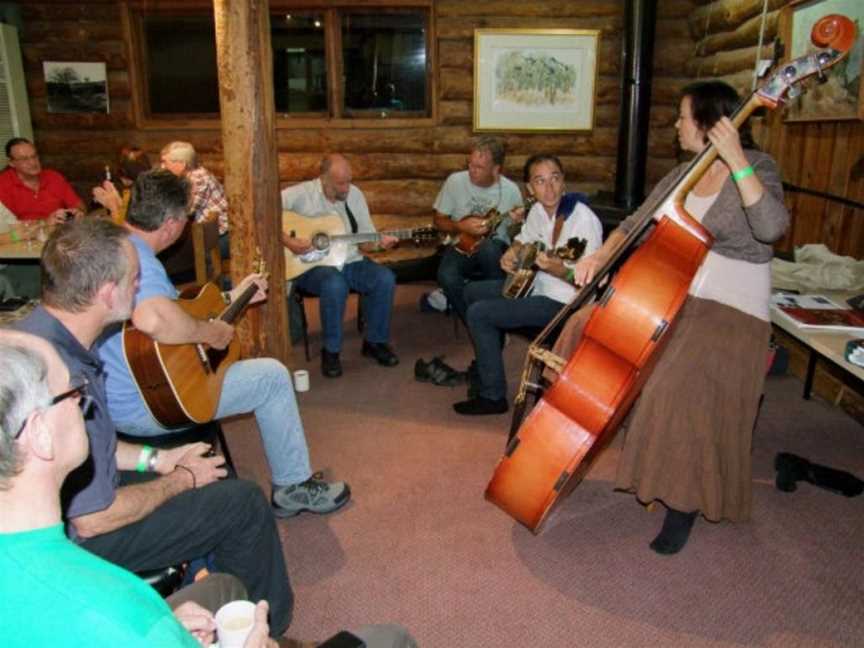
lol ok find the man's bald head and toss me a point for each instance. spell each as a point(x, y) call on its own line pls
point(336, 177)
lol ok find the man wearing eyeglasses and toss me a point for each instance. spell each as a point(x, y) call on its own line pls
point(63, 594)
point(183, 511)
point(31, 192)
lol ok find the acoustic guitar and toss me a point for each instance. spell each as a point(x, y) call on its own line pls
point(181, 383)
point(592, 390)
point(330, 241)
point(519, 282)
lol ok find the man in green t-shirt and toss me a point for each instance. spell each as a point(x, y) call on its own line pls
point(51, 591)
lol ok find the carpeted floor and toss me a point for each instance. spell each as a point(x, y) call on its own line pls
point(419, 545)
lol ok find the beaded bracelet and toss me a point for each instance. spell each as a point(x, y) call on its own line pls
point(740, 174)
point(144, 459)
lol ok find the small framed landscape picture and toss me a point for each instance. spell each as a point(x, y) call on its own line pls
point(534, 79)
point(76, 87)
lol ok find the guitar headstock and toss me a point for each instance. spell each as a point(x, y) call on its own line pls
point(425, 236)
point(573, 250)
point(835, 34)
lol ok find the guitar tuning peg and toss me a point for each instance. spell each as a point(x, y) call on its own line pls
point(793, 92)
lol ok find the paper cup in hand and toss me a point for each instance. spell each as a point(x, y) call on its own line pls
point(234, 622)
point(301, 380)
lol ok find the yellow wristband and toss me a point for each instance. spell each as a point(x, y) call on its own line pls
point(740, 174)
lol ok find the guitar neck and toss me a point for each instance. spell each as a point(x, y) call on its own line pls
point(369, 237)
point(236, 307)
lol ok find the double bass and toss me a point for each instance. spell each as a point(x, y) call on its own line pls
point(593, 390)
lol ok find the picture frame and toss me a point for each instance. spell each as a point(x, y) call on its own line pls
point(76, 87)
point(528, 80)
point(841, 97)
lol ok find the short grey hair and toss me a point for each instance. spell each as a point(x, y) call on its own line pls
point(181, 152)
point(23, 390)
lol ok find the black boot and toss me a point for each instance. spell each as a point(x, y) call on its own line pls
point(675, 532)
point(791, 468)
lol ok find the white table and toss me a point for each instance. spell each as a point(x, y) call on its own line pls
point(829, 345)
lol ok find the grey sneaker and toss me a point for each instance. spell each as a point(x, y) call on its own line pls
point(314, 494)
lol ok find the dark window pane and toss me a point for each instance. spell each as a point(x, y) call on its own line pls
point(299, 70)
point(181, 61)
point(384, 56)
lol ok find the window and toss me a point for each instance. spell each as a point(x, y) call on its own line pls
point(384, 56)
point(380, 67)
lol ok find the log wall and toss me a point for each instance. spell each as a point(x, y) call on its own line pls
point(400, 168)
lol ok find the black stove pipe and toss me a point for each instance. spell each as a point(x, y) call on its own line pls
point(638, 59)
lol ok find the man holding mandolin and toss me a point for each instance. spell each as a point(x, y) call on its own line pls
point(555, 219)
point(475, 207)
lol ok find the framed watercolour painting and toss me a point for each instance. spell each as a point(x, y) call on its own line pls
point(841, 96)
point(534, 79)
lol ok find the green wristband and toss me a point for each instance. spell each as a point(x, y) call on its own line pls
point(144, 459)
point(740, 174)
point(570, 277)
point(14, 236)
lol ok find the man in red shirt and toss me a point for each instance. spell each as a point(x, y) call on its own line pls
point(31, 192)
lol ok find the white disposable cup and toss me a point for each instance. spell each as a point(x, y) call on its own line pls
point(301, 380)
point(234, 622)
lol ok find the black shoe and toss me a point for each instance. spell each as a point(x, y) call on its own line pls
point(481, 407)
point(381, 352)
point(790, 469)
point(675, 532)
point(331, 366)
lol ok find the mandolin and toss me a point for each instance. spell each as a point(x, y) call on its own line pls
point(467, 244)
point(592, 390)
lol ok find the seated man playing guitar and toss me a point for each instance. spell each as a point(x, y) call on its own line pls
point(332, 192)
point(156, 218)
point(461, 210)
point(554, 220)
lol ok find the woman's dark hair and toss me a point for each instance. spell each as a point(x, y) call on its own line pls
point(711, 100)
point(133, 162)
point(534, 160)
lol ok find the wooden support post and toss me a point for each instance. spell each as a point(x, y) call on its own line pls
point(244, 58)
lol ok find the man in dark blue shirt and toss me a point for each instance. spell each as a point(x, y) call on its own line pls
point(90, 276)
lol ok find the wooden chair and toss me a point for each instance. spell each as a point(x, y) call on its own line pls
point(209, 265)
point(299, 296)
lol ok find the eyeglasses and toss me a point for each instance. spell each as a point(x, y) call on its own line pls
point(25, 158)
point(80, 391)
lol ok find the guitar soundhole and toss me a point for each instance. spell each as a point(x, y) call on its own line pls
point(320, 241)
point(215, 357)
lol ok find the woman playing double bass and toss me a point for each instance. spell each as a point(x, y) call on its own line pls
point(688, 439)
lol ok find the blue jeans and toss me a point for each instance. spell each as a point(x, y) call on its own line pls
point(262, 386)
point(489, 317)
point(456, 270)
point(375, 282)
